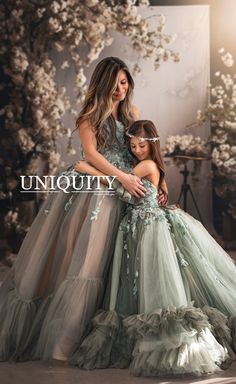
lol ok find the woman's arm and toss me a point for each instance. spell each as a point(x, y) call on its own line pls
point(143, 169)
point(146, 168)
point(89, 143)
point(84, 167)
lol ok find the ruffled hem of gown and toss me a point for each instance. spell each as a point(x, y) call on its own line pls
point(30, 329)
point(163, 343)
point(18, 322)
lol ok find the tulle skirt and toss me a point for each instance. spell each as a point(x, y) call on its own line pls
point(57, 282)
point(170, 302)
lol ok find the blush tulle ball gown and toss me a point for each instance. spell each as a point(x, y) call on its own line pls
point(57, 282)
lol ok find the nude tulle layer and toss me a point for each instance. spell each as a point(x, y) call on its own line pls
point(57, 282)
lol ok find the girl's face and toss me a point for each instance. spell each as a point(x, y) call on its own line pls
point(140, 149)
point(122, 87)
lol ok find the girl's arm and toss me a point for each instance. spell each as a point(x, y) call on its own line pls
point(149, 170)
point(89, 143)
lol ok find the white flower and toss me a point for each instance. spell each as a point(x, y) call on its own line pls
point(224, 147)
point(230, 163)
point(9, 115)
point(55, 7)
point(25, 140)
point(224, 156)
point(233, 150)
point(19, 60)
point(71, 151)
point(65, 64)
point(40, 12)
point(144, 3)
point(227, 59)
point(199, 114)
point(215, 154)
point(162, 18)
point(78, 38)
point(218, 162)
point(214, 92)
point(230, 124)
point(185, 145)
point(92, 3)
point(80, 78)
point(39, 114)
point(221, 50)
point(54, 25)
point(160, 51)
point(17, 13)
point(59, 46)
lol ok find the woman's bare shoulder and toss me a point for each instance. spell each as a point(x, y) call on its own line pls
point(84, 125)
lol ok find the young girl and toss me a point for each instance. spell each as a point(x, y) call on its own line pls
point(171, 289)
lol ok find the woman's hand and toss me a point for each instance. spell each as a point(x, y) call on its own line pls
point(133, 185)
point(82, 166)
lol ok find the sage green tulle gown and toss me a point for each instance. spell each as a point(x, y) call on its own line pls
point(57, 282)
point(170, 303)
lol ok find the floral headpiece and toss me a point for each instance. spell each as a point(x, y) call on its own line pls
point(154, 139)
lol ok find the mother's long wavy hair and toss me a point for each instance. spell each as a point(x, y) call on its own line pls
point(97, 107)
point(146, 128)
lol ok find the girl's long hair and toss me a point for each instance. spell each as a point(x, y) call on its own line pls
point(98, 104)
point(146, 128)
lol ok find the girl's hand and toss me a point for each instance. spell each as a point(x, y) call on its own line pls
point(82, 166)
point(163, 193)
point(133, 185)
point(162, 197)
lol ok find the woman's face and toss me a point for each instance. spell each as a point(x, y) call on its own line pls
point(122, 87)
point(140, 149)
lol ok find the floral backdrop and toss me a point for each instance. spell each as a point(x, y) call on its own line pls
point(32, 104)
point(221, 143)
point(221, 111)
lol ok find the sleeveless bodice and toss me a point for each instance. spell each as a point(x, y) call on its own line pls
point(118, 153)
point(150, 199)
point(146, 210)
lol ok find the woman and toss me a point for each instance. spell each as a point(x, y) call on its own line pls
point(172, 286)
point(57, 283)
